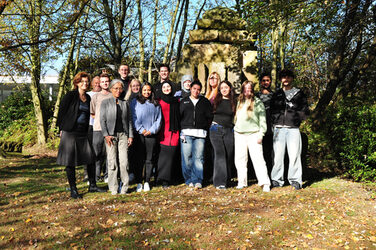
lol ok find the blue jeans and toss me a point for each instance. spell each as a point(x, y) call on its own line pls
point(291, 138)
point(192, 159)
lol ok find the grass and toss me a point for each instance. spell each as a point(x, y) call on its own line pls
point(36, 211)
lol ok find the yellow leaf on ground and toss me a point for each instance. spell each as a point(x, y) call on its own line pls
point(197, 235)
point(372, 238)
point(11, 229)
point(109, 221)
point(308, 236)
point(27, 220)
point(108, 239)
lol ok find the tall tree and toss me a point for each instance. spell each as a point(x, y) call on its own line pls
point(141, 42)
point(154, 42)
point(169, 37)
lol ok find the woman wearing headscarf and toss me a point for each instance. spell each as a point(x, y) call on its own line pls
point(116, 124)
point(75, 148)
point(169, 134)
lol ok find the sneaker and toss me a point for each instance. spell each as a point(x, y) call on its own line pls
point(275, 184)
point(296, 185)
point(191, 185)
point(114, 192)
point(198, 185)
point(139, 187)
point(146, 187)
point(106, 180)
point(221, 187)
point(240, 187)
point(266, 188)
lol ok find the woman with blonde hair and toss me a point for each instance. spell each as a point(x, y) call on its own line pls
point(133, 90)
point(250, 127)
point(212, 86)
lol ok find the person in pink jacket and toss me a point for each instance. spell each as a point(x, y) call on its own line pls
point(169, 134)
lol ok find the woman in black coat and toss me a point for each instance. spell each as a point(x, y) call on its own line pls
point(73, 121)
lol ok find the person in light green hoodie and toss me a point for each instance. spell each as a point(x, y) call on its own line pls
point(250, 127)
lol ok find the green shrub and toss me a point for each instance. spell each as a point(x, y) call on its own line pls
point(347, 139)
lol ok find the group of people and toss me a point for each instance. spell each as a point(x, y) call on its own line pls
point(125, 128)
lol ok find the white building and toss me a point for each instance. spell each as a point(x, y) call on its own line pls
point(9, 84)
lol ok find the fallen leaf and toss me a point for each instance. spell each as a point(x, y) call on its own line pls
point(108, 239)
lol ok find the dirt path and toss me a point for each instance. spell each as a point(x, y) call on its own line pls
point(37, 212)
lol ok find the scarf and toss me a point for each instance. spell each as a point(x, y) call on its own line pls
point(174, 111)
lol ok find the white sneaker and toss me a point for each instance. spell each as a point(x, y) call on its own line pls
point(105, 180)
point(139, 187)
point(146, 187)
point(191, 185)
point(240, 187)
point(114, 192)
point(266, 188)
point(198, 185)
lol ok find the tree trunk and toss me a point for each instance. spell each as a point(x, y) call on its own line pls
point(182, 33)
point(174, 35)
point(169, 38)
point(275, 40)
point(339, 66)
point(34, 22)
point(115, 26)
point(65, 76)
point(154, 43)
point(141, 39)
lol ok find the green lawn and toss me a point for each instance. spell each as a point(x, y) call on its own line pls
point(36, 211)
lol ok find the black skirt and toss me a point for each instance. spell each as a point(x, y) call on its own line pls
point(75, 149)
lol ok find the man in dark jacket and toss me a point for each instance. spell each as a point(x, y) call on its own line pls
point(288, 108)
point(164, 74)
point(196, 115)
point(265, 96)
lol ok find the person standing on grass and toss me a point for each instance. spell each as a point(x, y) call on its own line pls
point(250, 127)
point(98, 139)
point(196, 115)
point(132, 93)
point(116, 124)
point(265, 96)
point(169, 134)
point(147, 118)
point(75, 148)
point(222, 134)
point(95, 88)
point(288, 108)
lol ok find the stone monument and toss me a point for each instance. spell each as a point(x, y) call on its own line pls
point(222, 44)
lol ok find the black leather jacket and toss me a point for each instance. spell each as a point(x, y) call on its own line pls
point(289, 111)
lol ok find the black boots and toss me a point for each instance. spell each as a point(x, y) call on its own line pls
point(71, 175)
point(94, 188)
point(93, 184)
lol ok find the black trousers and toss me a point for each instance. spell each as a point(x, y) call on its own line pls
point(100, 154)
point(147, 153)
point(166, 162)
point(267, 149)
point(222, 140)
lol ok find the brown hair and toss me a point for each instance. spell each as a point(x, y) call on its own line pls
point(219, 97)
point(242, 99)
point(78, 78)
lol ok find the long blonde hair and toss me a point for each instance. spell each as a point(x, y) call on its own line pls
point(242, 99)
point(210, 92)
